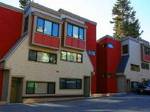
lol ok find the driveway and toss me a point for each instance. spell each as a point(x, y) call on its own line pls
point(118, 103)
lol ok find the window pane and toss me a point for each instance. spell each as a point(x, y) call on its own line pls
point(63, 55)
point(71, 84)
point(42, 57)
point(32, 55)
point(135, 68)
point(51, 88)
point(48, 28)
point(53, 58)
point(79, 84)
point(125, 49)
point(79, 58)
point(69, 30)
point(30, 87)
point(75, 31)
point(40, 25)
point(81, 33)
point(110, 45)
point(40, 88)
point(68, 56)
point(55, 30)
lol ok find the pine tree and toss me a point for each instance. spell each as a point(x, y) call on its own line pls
point(23, 3)
point(125, 23)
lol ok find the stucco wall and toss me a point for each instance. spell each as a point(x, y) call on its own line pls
point(19, 65)
point(135, 58)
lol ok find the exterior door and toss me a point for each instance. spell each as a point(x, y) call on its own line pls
point(121, 83)
point(16, 90)
point(86, 86)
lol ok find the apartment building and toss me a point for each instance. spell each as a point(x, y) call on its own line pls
point(135, 63)
point(45, 53)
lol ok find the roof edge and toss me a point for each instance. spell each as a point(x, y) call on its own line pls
point(11, 7)
point(62, 11)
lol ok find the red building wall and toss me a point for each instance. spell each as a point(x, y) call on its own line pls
point(108, 60)
point(10, 29)
point(10, 32)
point(91, 46)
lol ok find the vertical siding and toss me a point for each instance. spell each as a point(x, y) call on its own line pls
point(91, 45)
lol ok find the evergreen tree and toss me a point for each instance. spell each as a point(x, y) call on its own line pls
point(23, 3)
point(125, 23)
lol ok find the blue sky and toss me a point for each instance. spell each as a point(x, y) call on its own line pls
point(98, 11)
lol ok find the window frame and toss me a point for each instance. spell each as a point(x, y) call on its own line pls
point(49, 55)
point(71, 53)
point(58, 32)
point(125, 51)
point(72, 31)
point(47, 84)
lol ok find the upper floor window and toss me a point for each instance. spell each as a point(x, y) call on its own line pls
point(42, 57)
point(125, 49)
point(146, 50)
point(75, 31)
point(47, 27)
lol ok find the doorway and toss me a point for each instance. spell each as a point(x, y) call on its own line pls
point(86, 86)
point(16, 90)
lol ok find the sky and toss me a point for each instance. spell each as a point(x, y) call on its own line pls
point(99, 11)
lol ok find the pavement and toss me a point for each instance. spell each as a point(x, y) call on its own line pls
point(116, 103)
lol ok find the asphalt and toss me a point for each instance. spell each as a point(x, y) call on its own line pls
point(117, 103)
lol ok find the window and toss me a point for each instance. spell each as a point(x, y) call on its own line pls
point(47, 27)
point(81, 33)
point(26, 24)
point(110, 45)
point(146, 50)
point(30, 87)
point(55, 30)
point(33, 87)
point(63, 55)
point(79, 58)
point(72, 57)
point(40, 25)
point(125, 49)
point(51, 88)
point(40, 88)
point(70, 83)
point(53, 58)
point(32, 55)
point(91, 53)
point(69, 30)
point(75, 31)
point(145, 66)
point(42, 57)
point(135, 68)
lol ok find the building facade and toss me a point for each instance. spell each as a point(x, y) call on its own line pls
point(48, 57)
point(108, 58)
point(135, 62)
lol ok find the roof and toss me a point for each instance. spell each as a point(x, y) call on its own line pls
point(62, 11)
